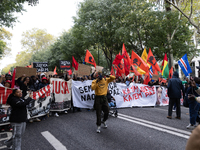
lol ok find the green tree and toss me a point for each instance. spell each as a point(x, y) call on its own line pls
point(5, 36)
point(9, 7)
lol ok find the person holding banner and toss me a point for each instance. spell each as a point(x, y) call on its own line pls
point(100, 85)
point(18, 118)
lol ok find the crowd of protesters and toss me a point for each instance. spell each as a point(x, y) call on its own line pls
point(34, 83)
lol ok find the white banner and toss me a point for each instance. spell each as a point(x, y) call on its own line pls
point(125, 96)
point(82, 94)
point(61, 94)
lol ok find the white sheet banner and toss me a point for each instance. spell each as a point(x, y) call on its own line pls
point(82, 94)
point(61, 94)
point(125, 96)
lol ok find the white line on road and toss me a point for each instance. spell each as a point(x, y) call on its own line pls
point(53, 141)
point(160, 127)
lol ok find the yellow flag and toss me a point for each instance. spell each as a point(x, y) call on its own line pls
point(144, 57)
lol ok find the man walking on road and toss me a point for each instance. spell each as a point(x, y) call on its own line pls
point(100, 85)
point(175, 87)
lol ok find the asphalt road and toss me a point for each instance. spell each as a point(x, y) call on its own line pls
point(134, 129)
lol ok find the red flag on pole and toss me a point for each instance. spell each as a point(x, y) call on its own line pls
point(89, 58)
point(112, 72)
point(117, 59)
point(134, 70)
point(13, 78)
point(152, 61)
point(54, 72)
point(171, 73)
point(69, 72)
point(137, 60)
point(74, 63)
point(146, 78)
point(9, 72)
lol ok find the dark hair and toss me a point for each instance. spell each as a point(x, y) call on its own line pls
point(11, 95)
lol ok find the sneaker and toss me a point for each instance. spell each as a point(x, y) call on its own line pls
point(98, 129)
point(65, 112)
point(56, 115)
point(31, 120)
point(37, 119)
point(191, 126)
point(105, 125)
point(174, 110)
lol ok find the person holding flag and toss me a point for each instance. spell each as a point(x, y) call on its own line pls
point(100, 85)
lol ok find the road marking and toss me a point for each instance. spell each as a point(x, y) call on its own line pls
point(156, 126)
point(160, 109)
point(53, 141)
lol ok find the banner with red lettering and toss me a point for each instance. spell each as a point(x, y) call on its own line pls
point(135, 95)
point(61, 94)
point(41, 103)
point(125, 96)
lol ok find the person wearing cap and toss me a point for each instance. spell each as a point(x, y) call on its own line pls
point(7, 83)
point(44, 83)
point(100, 86)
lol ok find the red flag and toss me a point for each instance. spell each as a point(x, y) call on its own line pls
point(54, 72)
point(9, 72)
point(117, 59)
point(165, 58)
point(162, 80)
point(74, 63)
point(134, 70)
point(89, 58)
point(112, 72)
point(146, 78)
point(127, 60)
point(69, 71)
point(120, 67)
point(171, 72)
point(137, 60)
point(13, 78)
point(126, 56)
point(152, 61)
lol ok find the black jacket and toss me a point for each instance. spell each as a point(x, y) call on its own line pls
point(18, 109)
point(175, 87)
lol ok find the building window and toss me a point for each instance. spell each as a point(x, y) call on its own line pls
point(192, 64)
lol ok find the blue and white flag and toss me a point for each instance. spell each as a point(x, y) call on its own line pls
point(185, 66)
point(150, 72)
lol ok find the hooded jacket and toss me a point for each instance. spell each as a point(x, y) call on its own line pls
point(175, 87)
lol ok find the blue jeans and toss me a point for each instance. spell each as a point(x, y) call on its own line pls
point(15, 141)
point(193, 109)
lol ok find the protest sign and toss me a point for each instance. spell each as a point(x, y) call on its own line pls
point(61, 94)
point(64, 64)
point(98, 68)
point(41, 66)
point(82, 70)
point(24, 70)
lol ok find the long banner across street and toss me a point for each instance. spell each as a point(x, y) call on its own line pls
point(125, 96)
point(57, 97)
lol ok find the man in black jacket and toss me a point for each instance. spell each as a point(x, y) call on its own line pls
point(175, 87)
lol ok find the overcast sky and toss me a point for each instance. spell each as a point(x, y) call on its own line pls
point(53, 15)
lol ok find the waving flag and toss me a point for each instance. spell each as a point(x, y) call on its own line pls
point(171, 72)
point(151, 72)
point(152, 61)
point(89, 58)
point(165, 71)
point(185, 66)
point(74, 63)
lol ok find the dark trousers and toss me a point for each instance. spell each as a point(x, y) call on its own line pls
point(193, 109)
point(101, 104)
point(173, 101)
